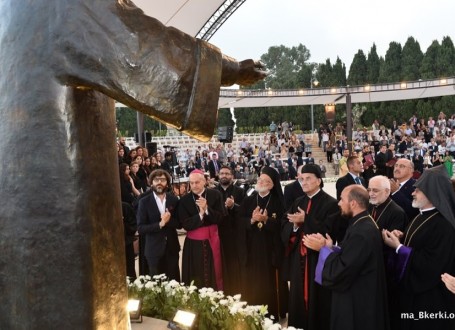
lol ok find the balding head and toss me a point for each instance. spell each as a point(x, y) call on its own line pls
point(403, 170)
point(354, 200)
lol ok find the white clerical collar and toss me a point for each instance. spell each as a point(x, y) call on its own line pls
point(314, 194)
point(426, 210)
point(263, 196)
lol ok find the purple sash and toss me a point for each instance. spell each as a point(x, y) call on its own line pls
point(210, 233)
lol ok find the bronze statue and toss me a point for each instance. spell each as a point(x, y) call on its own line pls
point(62, 64)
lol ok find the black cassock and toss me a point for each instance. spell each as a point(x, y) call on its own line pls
point(389, 215)
point(432, 242)
point(320, 219)
point(198, 256)
point(229, 236)
point(356, 276)
point(262, 252)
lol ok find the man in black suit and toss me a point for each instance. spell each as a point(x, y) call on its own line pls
point(402, 186)
point(293, 190)
point(310, 159)
point(156, 219)
point(229, 230)
point(355, 168)
point(381, 160)
point(214, 166)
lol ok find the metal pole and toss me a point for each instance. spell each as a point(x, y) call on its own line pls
point(140, 128)
point(349, 122)
point(312, 114)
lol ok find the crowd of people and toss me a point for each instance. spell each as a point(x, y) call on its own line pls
point(379, 256)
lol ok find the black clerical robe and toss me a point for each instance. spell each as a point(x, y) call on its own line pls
point(201, 256)
point(229, 236)
point(355, 275)
point(428, 252)
point(300, 262)
point(389, 215)
point(262, 251)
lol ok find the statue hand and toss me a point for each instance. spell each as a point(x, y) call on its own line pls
point(251, 72)
point(246, 72)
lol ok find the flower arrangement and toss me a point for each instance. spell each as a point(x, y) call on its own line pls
point(161, 298)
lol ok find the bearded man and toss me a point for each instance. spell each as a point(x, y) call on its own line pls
point(157, 222)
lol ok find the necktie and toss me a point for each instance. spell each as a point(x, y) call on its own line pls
point(216, 166)
point(357, 180)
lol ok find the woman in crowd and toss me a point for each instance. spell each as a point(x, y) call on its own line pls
point(190, 166)
point(131, 155)
point(147, 166)
point(137, 182)
point(141, 173)
point(437, 159)
point(448, 163)
point(284, 151)
point(127, 190)
point(121, 155)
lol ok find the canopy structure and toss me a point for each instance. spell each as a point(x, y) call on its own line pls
point(243, 98)
point(199, 18)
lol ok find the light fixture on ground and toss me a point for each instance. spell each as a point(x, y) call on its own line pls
point(134, 309)
point(330, 112)
point(313, 82)
point(182, 320)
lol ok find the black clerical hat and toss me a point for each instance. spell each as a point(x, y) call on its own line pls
point(314, 169)
point(275, 176)
point(436, 185)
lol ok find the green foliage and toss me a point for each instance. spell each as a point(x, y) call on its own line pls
point(358, 73)
point(390, 70)
point(162, 298)
point(411, 59)
point(373, 66)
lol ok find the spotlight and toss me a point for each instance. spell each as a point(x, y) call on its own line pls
point(134, 308)
point(182, 320)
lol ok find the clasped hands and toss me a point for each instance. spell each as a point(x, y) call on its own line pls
point(201, 202)
point(259, 215)
point(297, 218)
point(317, 241)
point(229, 202)
point(392, 238)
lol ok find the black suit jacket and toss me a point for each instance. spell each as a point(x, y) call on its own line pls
point(345, 181)
point(148, 218)
point(403, 198)
point(292, 191)
point(212, 171)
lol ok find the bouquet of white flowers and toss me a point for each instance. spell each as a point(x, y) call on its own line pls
point(161, 298)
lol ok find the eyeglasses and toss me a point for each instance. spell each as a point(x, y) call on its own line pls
point(158, 180)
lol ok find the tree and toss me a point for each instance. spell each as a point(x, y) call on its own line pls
point(428, 67)
point(411, 59)
point(358, 72)
point(445, 59)
point(373, 66)
point(391, 69)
